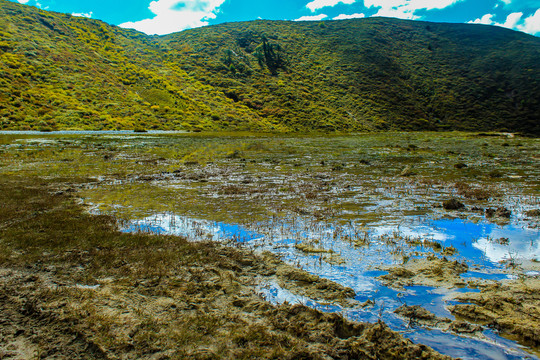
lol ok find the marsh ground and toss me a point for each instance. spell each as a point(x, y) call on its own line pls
point(349, 210)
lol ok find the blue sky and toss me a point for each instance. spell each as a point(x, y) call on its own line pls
point(167, 16)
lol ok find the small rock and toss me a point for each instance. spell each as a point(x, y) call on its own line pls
point(500, 212)
point(503, 213)
point(453, 204)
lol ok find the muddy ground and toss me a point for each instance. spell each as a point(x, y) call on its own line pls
point(510, 306)
point(429, 271)
point(72, 287)
point(77, 287)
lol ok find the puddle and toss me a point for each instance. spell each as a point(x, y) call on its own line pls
point(171, 224)
point(281, 185)
point(352, 255)
point(488, 244)
point(486, 276)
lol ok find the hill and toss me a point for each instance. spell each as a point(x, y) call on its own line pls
point(63, 72)
point(60, 72)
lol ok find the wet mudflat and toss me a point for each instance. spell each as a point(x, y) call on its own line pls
point(434, 234)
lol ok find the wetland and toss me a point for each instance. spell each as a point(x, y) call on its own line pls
point(242, 245)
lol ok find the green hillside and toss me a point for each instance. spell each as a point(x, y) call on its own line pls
point(59, 72)
point(63, 72)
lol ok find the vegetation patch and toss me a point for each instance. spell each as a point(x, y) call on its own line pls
point(511, 307)
point(135, 294)
point(72, 285)
point(352, 75)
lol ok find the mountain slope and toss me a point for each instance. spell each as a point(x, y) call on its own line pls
point(371, 73)
point(59, 71)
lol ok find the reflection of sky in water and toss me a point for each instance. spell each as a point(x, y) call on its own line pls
point(492, 347)
point(191, 228)
point(355, 266)
point(477, 242)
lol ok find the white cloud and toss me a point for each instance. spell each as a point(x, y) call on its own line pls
point(399, 13)
point(486, 20)
point(86, 15)
point(319, 4)
point(176, 15)
point(512, 20)
point(520, 4)
point(351, 16)
point(406, 9)
point(23, 1)
point(312, 18)
point(530, 25)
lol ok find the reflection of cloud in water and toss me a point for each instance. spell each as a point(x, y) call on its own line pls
point(358, 268)
point(418, 231)
point(278, 295)
point(471, 240)
point(193, 229)
point(522, 244)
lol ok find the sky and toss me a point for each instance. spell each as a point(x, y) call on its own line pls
point(167, 16)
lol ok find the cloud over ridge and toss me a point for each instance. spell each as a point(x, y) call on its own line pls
point(176, 15)
point(406, 9)
point(319, 4)
point(312, 18)
point(350, 16)
point(530, 24)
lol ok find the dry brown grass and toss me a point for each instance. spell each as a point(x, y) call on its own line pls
point(82, 289)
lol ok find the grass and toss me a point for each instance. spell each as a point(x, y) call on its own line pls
point(141, 174)
point(136, 295)
point(191, 298)
point(363, 76)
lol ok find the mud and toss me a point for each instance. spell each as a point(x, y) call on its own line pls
point(453, 204)
point(30, 330)
point(418, 316)
point(72, 287)
point(533, 213)
point(513, 307)
point(214, 315)
point(429, 271)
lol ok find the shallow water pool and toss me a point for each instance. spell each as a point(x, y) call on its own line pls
point(353, 255)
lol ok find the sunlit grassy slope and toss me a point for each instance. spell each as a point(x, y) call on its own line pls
point(58, 72)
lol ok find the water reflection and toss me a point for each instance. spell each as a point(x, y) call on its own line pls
point(350, 255)
point(491, 243)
